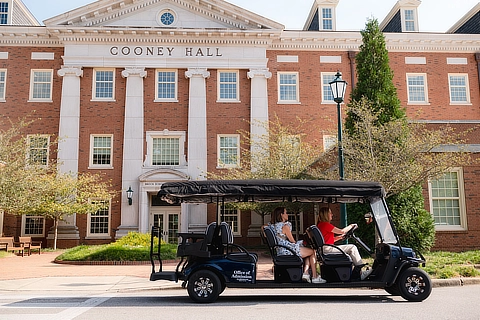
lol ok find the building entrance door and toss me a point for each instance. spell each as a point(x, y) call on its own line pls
point(167, 218)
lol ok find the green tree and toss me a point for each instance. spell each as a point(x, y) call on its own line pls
point(399, 154)
point(380, 140)
point(375, 78)
point(29, 188)
point(16, 174)
point(67, 194)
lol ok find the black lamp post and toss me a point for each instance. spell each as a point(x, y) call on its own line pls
point(129, 195)
point(338, 87)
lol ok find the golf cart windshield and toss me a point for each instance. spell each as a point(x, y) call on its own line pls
point(384, 225)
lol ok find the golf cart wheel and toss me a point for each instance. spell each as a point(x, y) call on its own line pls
point(393, 290)
point(204, 286)
point(414, 284)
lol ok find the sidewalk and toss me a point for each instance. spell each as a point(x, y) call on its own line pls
point(40, 273)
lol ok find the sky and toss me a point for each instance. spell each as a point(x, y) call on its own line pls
point(433, 15)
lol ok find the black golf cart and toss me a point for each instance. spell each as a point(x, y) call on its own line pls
point(210, 261)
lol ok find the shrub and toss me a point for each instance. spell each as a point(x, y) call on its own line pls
point(133, 247)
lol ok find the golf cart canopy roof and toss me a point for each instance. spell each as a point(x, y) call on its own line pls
point(326, 191)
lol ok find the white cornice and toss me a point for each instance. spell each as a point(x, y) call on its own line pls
point(270, 39)
point(152, 36)
point(396, 42)
point(27, 36)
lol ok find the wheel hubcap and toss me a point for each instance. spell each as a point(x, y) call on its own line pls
point(415, 284)
point(203, 287)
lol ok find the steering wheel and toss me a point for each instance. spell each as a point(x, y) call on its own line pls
point(350, 232)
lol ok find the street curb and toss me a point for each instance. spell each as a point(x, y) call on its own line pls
point(454, 282)
point(109, 263)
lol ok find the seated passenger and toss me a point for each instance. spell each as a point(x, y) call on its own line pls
point(331, 234)
point(283, 231)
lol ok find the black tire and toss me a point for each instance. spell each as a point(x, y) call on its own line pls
point(393, 290)
point(204, 286)
point(414, 284)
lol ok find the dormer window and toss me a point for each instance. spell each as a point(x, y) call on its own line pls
point(327, 19)
point(3, 12)
point(322, 16)
point(402, 18)
point(409, 20)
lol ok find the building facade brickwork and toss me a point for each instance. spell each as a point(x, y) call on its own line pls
point(165, 87)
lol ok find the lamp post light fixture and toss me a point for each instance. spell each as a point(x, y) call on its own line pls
point(129, 195)
point(338, 86)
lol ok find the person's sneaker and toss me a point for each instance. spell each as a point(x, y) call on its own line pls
point(318, 280)
point(306, 278)
point(365, 273)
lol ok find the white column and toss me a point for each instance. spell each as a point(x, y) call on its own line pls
point(197, 123)
point(133, 140)
point(258, 104)
point(196, 214)
point(69, 134)
point(258, 125)
point(69, 127)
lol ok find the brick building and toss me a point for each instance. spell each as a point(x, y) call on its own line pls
point(149, 91)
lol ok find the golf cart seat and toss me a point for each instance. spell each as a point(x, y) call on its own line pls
point(197, 244)
point(335, 266)
point(233, 251)
point(286, 268)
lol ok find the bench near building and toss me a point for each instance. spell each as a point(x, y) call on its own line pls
point(148, 92)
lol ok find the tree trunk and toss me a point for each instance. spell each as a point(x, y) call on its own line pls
point(55, 233)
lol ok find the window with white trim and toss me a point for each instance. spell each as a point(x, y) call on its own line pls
point(228, 87)
point(296, 220)
point(459, 89)
point(167, 83)
point(101, 151)
point(288, 87)
point(103, 84)
point(38, 149)
point(447, 201)
point(165, 148)
point(228, 150)
point(327, 19)
point(327, 94)
point(3, 83)
point(98, 224)
point(409, 20)
point(41, 82)
point(3, 12)
point(232, 217)
point(417, 88)
point(33, 226)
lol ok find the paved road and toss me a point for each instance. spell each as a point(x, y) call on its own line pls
point(444, 303)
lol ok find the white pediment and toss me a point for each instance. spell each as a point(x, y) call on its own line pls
point(170, 14)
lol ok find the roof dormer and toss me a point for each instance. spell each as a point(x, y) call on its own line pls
point(14, 12)
point(469, 23)
point(322, 16)
point(402, 18)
